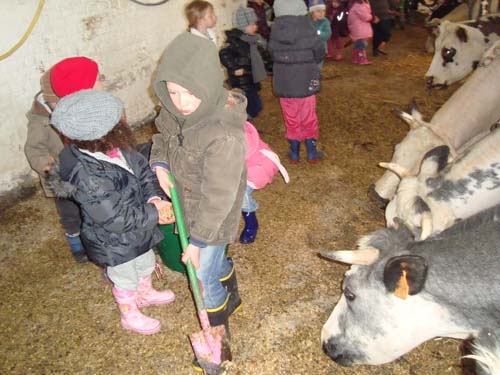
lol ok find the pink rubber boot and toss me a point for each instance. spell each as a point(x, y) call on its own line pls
point(355, 56)
point(362, 59)
point(131, 317)
point(147, 296)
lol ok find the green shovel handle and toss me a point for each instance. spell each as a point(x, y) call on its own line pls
point(179, 219)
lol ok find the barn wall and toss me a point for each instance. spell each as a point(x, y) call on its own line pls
point(126, 40)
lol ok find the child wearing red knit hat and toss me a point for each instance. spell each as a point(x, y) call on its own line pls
point(43, 143)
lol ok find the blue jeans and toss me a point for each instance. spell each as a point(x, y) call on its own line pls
point(249, 203)
point(213, 266)
point(360, 44)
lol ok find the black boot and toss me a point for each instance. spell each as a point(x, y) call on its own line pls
point(220, 316)
point(230, 282)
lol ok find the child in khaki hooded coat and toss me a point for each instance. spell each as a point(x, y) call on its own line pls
point(202, 143)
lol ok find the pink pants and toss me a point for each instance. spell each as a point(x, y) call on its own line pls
point(300, 118)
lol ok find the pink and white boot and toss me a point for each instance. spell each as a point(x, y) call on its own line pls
point(147, 295)
point(131, 318)
point(363, 59)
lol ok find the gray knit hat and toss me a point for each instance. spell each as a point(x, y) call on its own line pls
point(87, 115)
point(289, 8)
point(244, 17)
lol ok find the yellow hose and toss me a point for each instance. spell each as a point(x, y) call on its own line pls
point(27, 33)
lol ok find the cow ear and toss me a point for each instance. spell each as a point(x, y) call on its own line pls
point(434, 160)
point(461, 34)
point(434, 29)
point(405, 275)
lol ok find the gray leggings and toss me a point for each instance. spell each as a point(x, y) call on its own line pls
point(126, 276)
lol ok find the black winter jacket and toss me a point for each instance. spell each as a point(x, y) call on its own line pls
point(236, 55)
point(118, 224)
point(296, 50)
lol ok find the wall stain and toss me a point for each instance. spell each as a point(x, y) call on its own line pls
point(91, 25)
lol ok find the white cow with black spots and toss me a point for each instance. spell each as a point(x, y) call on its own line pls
point(440, 194)
point(458, 50)
point(465, 118)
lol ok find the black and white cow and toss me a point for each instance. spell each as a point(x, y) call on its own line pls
point(458, 50)
point(465, 118)
point(400, 293)
point(440, 194)
point(452, 11)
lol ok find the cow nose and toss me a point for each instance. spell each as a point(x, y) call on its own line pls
point(429, 81)
point(329, 348)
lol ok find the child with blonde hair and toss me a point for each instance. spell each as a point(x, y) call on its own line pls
point(202, 19)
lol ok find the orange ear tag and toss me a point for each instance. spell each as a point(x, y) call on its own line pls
point(403, 289)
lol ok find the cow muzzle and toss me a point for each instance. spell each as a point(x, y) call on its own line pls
point(429, 83)
point(331, 350)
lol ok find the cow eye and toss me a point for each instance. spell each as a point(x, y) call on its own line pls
point(448, 54)
point(349, 294)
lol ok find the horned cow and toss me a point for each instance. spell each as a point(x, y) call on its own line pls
point(400, 293)
point(459, 123)
point(442, 194)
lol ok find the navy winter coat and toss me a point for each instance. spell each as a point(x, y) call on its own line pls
point(118, 224)
point(296, 50)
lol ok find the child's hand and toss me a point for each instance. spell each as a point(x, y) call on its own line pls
point(165, 211)
point(375, 19)
point(239, 72)
point(163, 179)
point(193, 254)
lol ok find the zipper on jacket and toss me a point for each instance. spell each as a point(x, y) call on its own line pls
point(180, 136)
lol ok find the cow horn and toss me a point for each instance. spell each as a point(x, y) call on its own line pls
point(426, 225)
point(409, 119)
point(402, 172)
point(362, 257)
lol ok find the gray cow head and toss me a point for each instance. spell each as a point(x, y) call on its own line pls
point(383, 312)
point(458, 50)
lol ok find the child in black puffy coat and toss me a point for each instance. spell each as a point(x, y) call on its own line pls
point(119, 196)
point(242, 57)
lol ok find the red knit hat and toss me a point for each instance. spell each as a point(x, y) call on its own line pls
point(73, 74)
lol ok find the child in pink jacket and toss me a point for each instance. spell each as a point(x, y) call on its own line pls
point(360, 30)
point(262, 164)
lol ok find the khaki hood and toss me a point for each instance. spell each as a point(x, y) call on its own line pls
point(193, 63)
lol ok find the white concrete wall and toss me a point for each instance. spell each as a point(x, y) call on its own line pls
point(125, 39)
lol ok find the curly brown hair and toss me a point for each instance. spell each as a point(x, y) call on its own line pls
point(120, 136)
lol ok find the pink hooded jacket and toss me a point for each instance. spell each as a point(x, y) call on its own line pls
point(262, 162)
point(359, 21)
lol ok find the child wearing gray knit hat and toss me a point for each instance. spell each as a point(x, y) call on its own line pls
point(87, 115)
point(120, 199)
point(244, 17)
point(242, 56)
